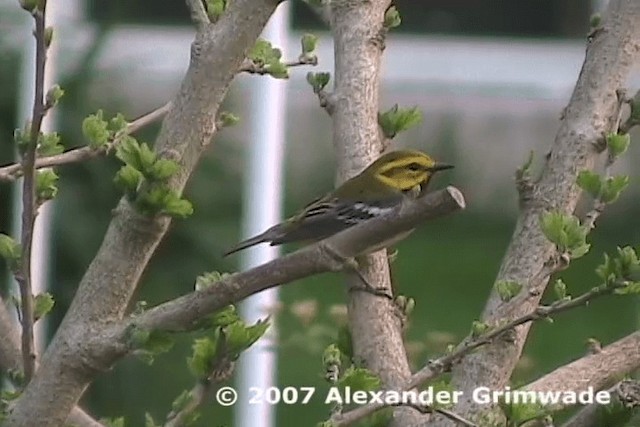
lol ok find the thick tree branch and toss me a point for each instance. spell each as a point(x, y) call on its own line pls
point(11, 361)
point(590, 114)
point(105, 290)
point(75, 155)
point(357, 28)
point(598, 370)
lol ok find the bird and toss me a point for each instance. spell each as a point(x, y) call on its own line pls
point(377, 190)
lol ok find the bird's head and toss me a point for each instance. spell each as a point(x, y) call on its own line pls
point(405, 169)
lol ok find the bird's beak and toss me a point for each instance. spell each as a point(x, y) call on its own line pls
point(439, 167)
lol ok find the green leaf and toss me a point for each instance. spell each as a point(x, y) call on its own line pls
point(176, 207)
point(94, 128)
point(240, 337)
point(147, 159)
point(359, 379)
point(49, 144)
point(396, 120)
point(613, 187)
point(507, 289)
point(566, 232)
point(318, 81)
point(127, 152)
point(560, 289)
point(225, 317)
point(10, 250)
point(54, 93)
point(590, 182)
point(277, 69)
point(618, 144)
point(261, 53)
point(128, 179)
point(42, 304)
point(208, 279)
point(162, 169)
point(118, 123)
point(331, 356)
point(159, 342)
point(228, 119)
point(46, 188)
point(392, 18)
point(203, 354)
point(309, 43)
point(478, 328)
point(215, 9)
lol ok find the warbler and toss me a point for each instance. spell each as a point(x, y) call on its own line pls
point(378, 189)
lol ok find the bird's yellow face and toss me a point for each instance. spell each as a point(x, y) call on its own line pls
point(405, 169)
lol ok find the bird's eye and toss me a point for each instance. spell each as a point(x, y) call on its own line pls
point(414, 167)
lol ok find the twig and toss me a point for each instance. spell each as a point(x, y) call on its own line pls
point(198, 13)
point(75, 155)
point(29, 203)
point(248, 66)
point(436, 367)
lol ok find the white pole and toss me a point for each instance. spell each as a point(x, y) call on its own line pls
point(262, 209)
point(58, 14)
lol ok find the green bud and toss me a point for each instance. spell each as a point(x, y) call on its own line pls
point(392, 18)
point(331, 356)
point(617, 143)
point(478, 328)
point(53, 95)
point(94, 128)
point(560, 289)
point(396, 120)
point(228, 119)
point(590, 182)
point(46, 185)
point(48, 36)
point(42, 304)
point(507, 289)
point(613, 187)
point(318, 81)
point(28, 5)
point(309, 43)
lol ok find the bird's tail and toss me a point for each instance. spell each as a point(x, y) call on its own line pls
point(260, 238)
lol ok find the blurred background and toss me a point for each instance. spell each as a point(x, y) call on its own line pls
point(492, 79)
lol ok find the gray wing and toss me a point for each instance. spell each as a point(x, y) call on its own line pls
point(322, 218)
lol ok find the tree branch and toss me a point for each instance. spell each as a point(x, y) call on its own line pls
point(590, 114)
point(29, 202)
point(11, 361)
point(376, 329)
point(198, 13)
point(597, 370)
point(104, 292)
point(76, 155)
point(184, 313)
